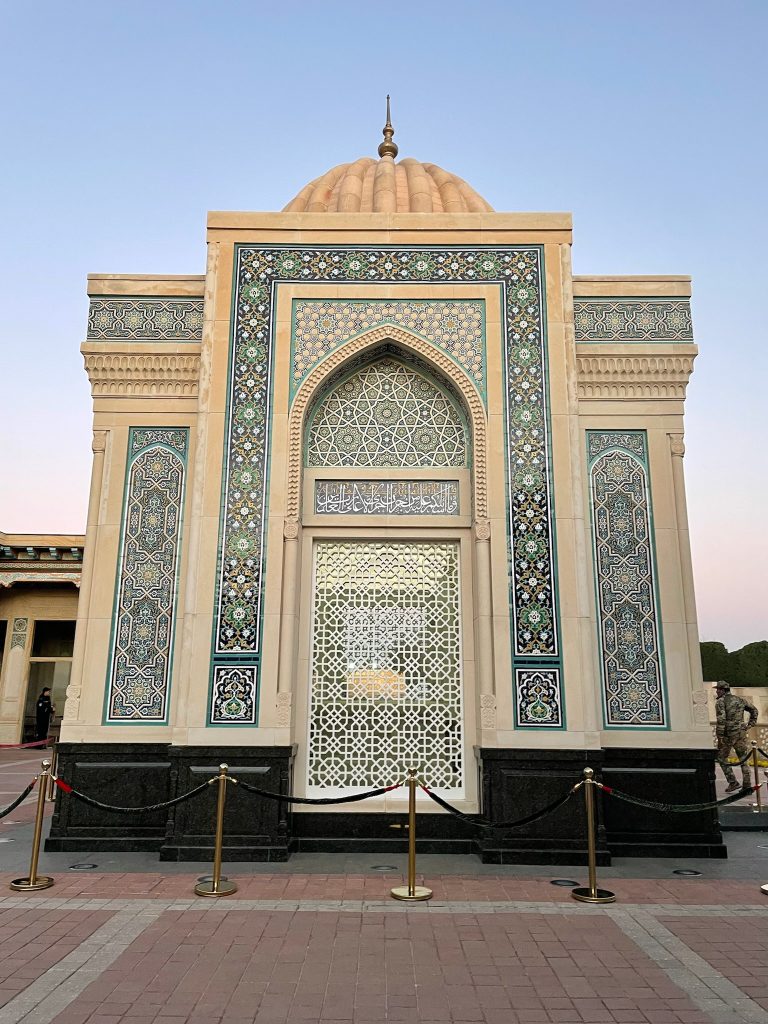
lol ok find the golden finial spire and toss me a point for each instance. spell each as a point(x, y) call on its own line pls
point(388, 147)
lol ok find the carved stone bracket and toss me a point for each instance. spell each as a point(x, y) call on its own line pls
point(487, 711)
point(291, 529)
point(700, 707)
point(676, 445)
point(482, 530)
point(284, 702)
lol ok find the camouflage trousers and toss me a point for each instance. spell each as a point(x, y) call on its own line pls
point(738, 743)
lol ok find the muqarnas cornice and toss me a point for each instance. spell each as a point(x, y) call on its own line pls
point(634, 375)
point(129, 373)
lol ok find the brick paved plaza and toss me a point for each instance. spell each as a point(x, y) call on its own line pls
point(319, 940)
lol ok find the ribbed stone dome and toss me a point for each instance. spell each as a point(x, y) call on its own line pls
point(383, 186)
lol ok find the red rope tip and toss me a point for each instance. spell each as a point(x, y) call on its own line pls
point(397, 785)
point(63, 785)
point(425, 788)
point(606, 789)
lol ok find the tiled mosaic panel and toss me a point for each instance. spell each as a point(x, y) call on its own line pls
point(620, 320)
point(387, 497)
point(630, 630)
point(234, 695)
point(145, 319)
point(386, 670)
point(386, 414)
point(138, 678)
point(538, 698)
point(519, 274)
point(455, 326)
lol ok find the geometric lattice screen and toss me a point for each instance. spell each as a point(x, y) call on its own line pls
point(627, 604)
point(386, 673)
point(387, 414)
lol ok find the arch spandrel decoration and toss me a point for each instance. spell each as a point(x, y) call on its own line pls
point(406, 347)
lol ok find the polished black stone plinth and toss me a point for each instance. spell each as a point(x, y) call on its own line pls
point(516, 783)
point(665, 776)
point(140, 774)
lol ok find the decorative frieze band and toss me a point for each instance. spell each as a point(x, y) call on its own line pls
point(131, 373)
point(648, 320)
point(633, 376)
point(145, 319)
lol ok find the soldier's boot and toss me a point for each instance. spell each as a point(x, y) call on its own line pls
point(747, 778)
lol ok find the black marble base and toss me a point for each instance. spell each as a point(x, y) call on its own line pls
point(667, 776)
point(514, 783)
point(139, 774)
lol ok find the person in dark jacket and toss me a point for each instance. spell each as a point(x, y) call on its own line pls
point(44, 711)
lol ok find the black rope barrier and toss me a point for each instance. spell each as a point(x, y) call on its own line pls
point(738, 764)
point(678, 808)
point(288, 799)
point(66, 788)
point(518, 823)
point(19, 799)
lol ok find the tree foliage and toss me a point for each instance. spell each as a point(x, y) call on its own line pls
point(745, 667)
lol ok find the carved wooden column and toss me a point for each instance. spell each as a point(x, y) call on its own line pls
point(677, 451)
point(484, 605)
point(72, 706)
point(288, 622)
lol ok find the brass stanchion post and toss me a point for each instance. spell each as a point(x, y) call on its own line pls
point(411, 891)
point(591, 894)
point(218, 886)
point(34, 881)
point(54, 768)
point(758, 805)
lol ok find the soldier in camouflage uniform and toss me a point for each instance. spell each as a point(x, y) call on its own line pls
point(731, 732)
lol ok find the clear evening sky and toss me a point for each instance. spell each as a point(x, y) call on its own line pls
point(121, 124)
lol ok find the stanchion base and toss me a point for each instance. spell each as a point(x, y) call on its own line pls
point(24, 884)
point(402, 892)
point(206, 888)
point(584, 895)
point(764, 889)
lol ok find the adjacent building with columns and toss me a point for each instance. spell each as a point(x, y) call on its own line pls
point(387, 487)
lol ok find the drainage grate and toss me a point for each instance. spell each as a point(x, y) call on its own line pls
point(686, 871)
point(82, 867)
point(564, 881)
point(4, 840)
point(384, 867)
point(209, 878)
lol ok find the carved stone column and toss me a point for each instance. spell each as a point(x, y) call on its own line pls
point(677, 451)
point(484, 605)
point(288, 622)
point(72, 706)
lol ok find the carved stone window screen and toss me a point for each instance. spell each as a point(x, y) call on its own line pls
point(385, 689)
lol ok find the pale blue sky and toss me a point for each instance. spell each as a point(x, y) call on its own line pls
point(122, 124)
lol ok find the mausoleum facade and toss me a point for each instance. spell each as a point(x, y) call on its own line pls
point(386, 487)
